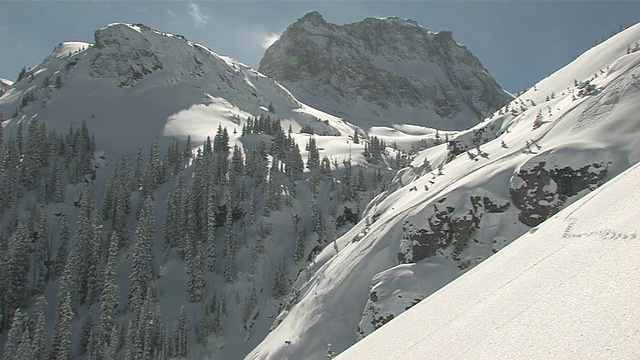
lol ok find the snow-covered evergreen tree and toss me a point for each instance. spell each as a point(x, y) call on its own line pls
point(229, 244)
point(143, 271)
point(61, 349)
point(313, 159)
point(108, 303)
point(281, 283)
point(85, 334)
point(15, 271)
point(43, 253)
point(212, 208)
point(300, 231)
point(38, 343)
point(63, 243)
point(19, 325)
point(88, 245)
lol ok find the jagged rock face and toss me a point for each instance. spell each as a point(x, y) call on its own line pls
point(447, 226)
point(129, 53)
point(383, 71)
point(542, 192)
point(124, 54)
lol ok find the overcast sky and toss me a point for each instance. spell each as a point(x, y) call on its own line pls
point(519, 42)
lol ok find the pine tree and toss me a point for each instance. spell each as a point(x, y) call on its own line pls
point(183, 335)
point(195, 272)
point(15, 271)
point(188, 151)
point(205, 326)
point(39, 345)
point(346, 180)
point(142, 272)
point(137, 173)
point(88, 245)
point(212, 208)
point(317, 220)
point(218, 320)
point(300, 231)
point(63, 243)
point(64, 313)
point(280, 283)
point(108, 302)
point(25, 351)
point(230, 244)
point(313, 158)
point(32, 161)
point(114, 345)
point(85, 334)
point(361, 185)
point(56, 183)
point(253, 203)
point(255, 253)
point(175, 217)
point(18, 327)
point(237, 165)
point(250, 308)
point(42, 250)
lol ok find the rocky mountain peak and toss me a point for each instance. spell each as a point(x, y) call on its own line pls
point(313, 17)
point(382, 72)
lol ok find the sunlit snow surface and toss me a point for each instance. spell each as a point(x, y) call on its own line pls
point(567, 289)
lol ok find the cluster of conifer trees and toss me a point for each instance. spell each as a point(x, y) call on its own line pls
point(220, 205)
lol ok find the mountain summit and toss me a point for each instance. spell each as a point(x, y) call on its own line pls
point(382, 72)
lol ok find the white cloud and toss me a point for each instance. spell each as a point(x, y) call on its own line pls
point(268, 39)
point(196, 15)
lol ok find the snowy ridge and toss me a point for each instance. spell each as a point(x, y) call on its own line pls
point(457, 204)
point(69, 47)
point(569, 284)
point(5, 82)
point(4, 85)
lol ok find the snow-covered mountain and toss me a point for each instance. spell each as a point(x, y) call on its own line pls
point(566, 289)
point(72, 127)
point(151, 84)
point(383, 72)
point(268, 227)
point(459, 203)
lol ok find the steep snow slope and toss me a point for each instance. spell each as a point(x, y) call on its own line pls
point(383, 72)
point(459, 203)
point(568, 288)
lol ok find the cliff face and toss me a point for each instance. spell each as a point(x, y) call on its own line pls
point(382, 72)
